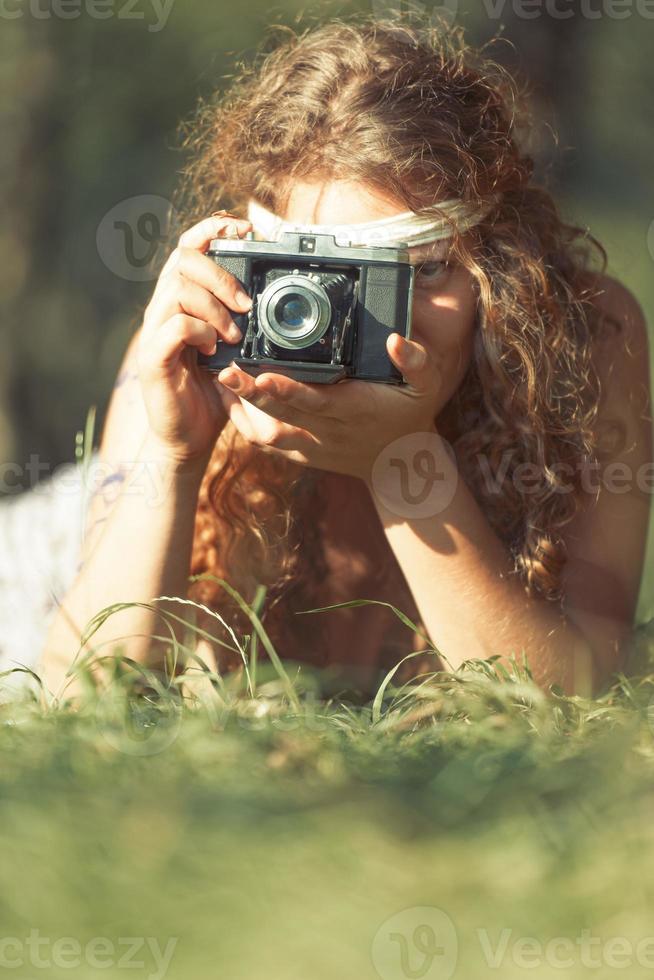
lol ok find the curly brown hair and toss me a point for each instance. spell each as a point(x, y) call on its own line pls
point(415, 111)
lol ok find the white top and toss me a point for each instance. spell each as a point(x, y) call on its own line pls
point(40, 541)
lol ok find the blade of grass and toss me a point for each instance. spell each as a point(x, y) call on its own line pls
point(257, 606)
point(258, 625)
point(379, 696)
point(371, 602)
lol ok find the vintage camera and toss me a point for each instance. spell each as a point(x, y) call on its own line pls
point(321, 311)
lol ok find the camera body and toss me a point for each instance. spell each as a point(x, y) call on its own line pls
point(321, 311)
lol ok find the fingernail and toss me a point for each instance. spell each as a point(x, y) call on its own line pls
point(417, 358)
point(243, 299)
point(234, 334)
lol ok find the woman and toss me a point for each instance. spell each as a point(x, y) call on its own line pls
point(524, 359)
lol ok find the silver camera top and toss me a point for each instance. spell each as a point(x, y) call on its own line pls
point(301, 246)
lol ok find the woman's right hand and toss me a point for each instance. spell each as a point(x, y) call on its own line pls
point(189, 312)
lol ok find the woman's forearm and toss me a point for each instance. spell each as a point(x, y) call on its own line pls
point(471, 603)
point(142, 552)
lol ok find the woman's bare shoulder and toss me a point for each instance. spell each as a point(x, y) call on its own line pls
point(619, 308)
point(605, 541)
point(621, 356)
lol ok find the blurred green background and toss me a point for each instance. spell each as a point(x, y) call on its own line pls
point(91, 100)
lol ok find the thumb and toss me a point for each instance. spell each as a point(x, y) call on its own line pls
point(414, 361)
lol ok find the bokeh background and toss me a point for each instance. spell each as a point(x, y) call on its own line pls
point(91, 98)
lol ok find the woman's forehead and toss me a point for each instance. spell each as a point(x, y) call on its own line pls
point(337, 202)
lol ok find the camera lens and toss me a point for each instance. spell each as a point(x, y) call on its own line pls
point(294, 311)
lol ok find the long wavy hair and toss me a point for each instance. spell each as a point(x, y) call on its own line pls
point(416, 112)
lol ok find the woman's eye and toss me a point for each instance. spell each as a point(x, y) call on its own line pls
point(429, 273)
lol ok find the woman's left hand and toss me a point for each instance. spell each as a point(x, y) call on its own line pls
point(342, 427)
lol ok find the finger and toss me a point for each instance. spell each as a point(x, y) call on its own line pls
point(249, 389)
point(206, 272)
point(163, 349)
point(313, 399)
point(216, 226)
point(235, 411)
point(261, 429)
point(185, 296)
point(414, 361)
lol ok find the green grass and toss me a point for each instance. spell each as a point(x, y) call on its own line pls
point(276, 832)
point(258, 826)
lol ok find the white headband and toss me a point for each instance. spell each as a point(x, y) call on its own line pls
point(411, 228)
